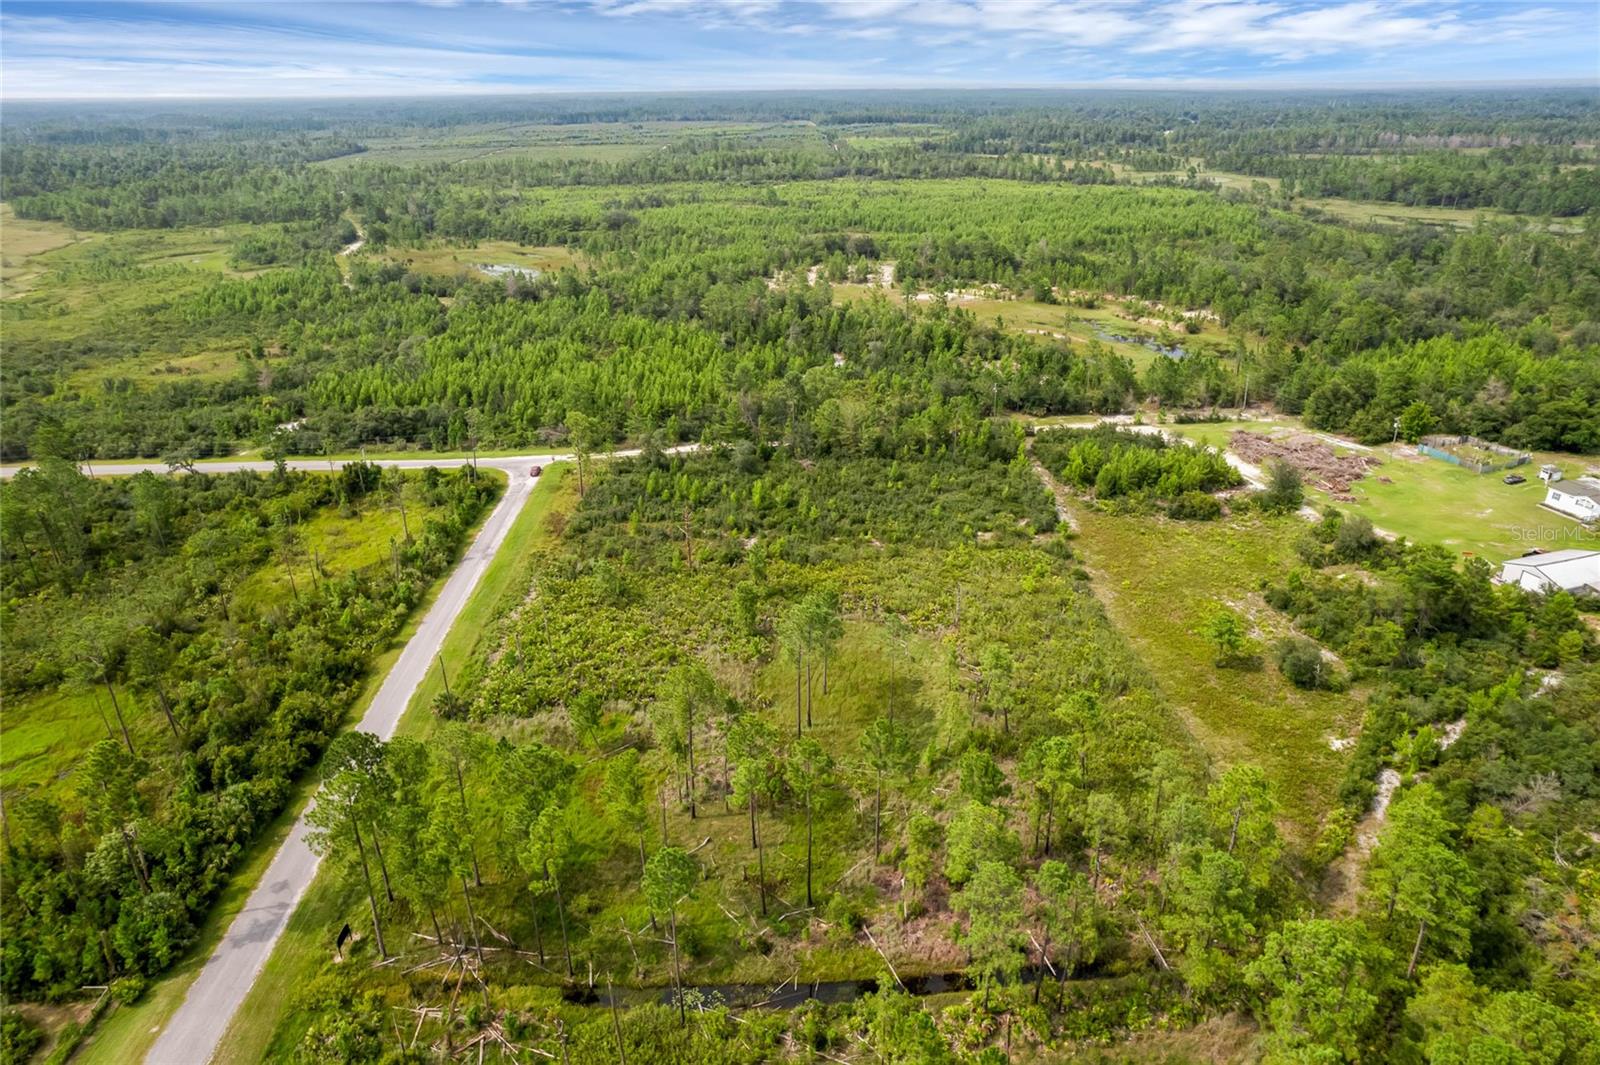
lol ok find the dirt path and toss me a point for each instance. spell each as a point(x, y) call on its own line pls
point(1100, 582)
point(1062, 496)
point(350, 249)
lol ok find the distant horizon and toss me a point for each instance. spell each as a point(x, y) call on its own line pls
point(364, 49)
point(555, 94)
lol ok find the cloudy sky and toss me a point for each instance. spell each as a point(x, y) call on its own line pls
point(286, 49)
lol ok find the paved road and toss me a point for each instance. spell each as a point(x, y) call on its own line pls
point(192, 1035)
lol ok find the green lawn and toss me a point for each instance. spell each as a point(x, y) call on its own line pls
point(1479, 514)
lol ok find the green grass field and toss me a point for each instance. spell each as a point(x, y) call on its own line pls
point(63, 287)
point(1430, 500)
point(22, 243)
point(1160, 580)
point(46, 734)
point(1048, 321)
point(449, 260)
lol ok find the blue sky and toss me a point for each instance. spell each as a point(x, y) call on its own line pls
point(444, 47)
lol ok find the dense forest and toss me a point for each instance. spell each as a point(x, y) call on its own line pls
point(696, 324)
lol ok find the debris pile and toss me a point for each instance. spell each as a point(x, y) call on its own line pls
point(1317, 462)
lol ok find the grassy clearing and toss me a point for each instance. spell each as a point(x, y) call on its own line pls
point(97, 308)
point(1360, 212)
point(1059, 321)
point(341, 542)
point(145, 371)
point(452, 260)
point(303, 950)
point(1432, 501)
point(127, 1032)
point(22, 242)
point(1400, 214)
point(1216, 434)
point(46, 734)
point(1160, 580)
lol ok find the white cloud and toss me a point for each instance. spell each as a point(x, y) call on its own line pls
point(588, 45)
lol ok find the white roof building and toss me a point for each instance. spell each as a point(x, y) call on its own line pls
point(1576, 499)
point(1555, 571)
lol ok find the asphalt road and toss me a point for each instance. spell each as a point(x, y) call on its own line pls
point(192, 1034)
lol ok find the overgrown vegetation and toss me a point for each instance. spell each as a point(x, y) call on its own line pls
point(197, 616)
point(838, 701)
point(1145, 466)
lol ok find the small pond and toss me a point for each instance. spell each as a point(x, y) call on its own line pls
point(1176, 351)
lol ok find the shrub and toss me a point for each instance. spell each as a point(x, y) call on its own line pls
point(1301, 661)
point(844, 918)
point(1195, 506)
point(1228, 637)
point(19, 1037)
point(1355, 538)
point(1285, 489)
point(128, 989)
point(449, 706)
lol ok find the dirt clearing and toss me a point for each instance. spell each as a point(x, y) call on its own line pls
point(1316, 460)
